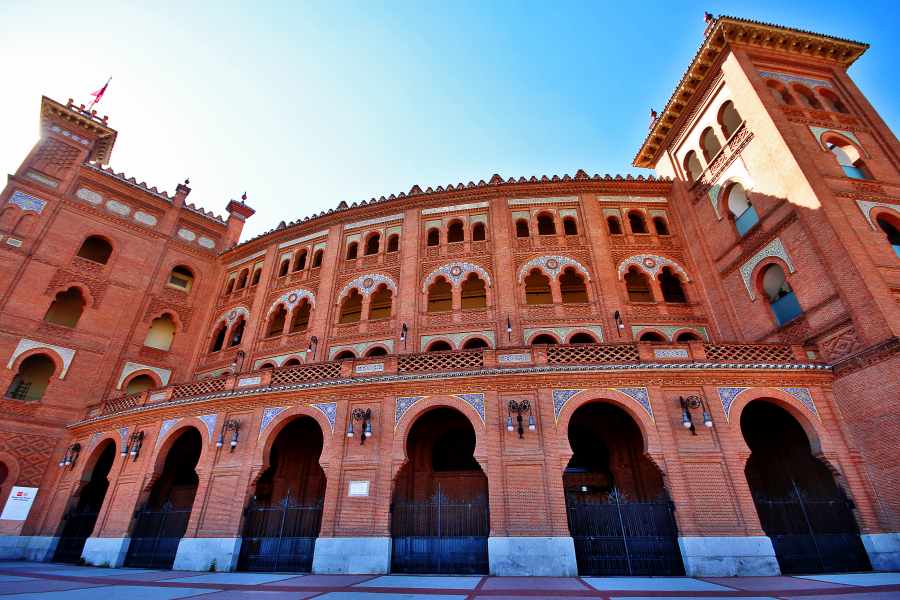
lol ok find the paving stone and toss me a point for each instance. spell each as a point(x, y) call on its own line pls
point(653, 584)
point(862, 579)
point(439, 582)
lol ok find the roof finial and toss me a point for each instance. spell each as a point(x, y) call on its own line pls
point(708, 17)
point(653, 116)
point(187, 181)
point(244, 197)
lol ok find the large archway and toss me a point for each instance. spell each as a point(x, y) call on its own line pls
point(161, 522)
point(800, 506)
point(78, 522)
point(439, 516)
point(282, 520)
point(619, 513)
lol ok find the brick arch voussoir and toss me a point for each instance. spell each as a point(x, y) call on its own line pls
point(89, 298)
point(152, 374)
point(164, 445)
point(262, 453)
point(86, 467)
point(892, 215)
point(14, 468)
point(756, 275)
point(58, 363)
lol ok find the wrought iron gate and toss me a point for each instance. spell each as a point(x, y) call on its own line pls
point(155, 537)
point(440, 536)
point(623, 537)
point(812, 535)
point(77, 528)
point(280, 537)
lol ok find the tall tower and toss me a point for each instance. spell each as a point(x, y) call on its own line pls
point(788, 183)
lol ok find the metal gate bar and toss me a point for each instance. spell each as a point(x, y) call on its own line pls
point(78, 527)
point(155, 538)
point(280, 537)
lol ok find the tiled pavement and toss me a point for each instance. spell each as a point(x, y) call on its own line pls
point(27, 580)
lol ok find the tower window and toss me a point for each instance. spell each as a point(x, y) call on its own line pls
point(434, 237)
point(780, 92)
point(671, 287)
point(729, 119)
point(96, 249)
point(692, 166)
point(351, 308)
point(522, 228)
point(393, 244)
point(638, 286)
point(809, 98)
point(66, 308)
point(833, 100)
point(161, 333)
point(891, 231)
point(352, 249)
point(276, 322)
point(660, 225)
point(440, 296)
point(300, 262)
point(478, 232)
point(614, 225)
point(545, 224)
point(473, 293)
point(710, 144)
point(572, 287)
point(31, 380)
point(570, 227)
point(284, 267)
point(636, 222)
point(537, 288)
point(741, 209)
point(380, 303)
point(373, 244)
point(317, 259)
point(455, 232)
point(849, 159)
point(781, 297)
point(181, 278)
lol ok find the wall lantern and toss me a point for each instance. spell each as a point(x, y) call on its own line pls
point(311, 349)
point(71, 455)
point(232, 425)
point(693, 403)
point(133, 447)
point(520, 408)
point(403, 331)
point(620, 324)
point(364, 416)
point(508, 329)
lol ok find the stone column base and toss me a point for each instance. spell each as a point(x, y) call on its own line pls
point(207, 554)
point(546, 556)
point(28, 547)
point(883, 550)
point(352, 555)
point(708, 556)
point(105, 551)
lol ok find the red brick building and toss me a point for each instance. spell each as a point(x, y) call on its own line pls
point(689, 372)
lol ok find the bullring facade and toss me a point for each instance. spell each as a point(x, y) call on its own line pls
point(547, 375)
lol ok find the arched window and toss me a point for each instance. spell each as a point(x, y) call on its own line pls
point(317, 259)
point(692, 166)
point(66, 308)
point(438, 346)
point(139, 384)
point(834, 102)
point(242, 280)
point(300, 317)
point(781, 297)
point(352, 248)
point(670, 284)
point(729, 119)
point(300, 262)
point(687, 336)
point(537, 288)
point(345, 355)
point(570, 226)
point(440, 296)
point(849, 159)
point(256, 275)
point(393, 244)
point(380, 303)
point(292, 362)
point(96, 249)
point(545, 224)
point(892, 233)
point(218, 338)
point(267, 366)
point(478, 232)
point(351, 307)
point(161, 333)
point(780, 92)
point(31, 380)
point(284, 267)
point(455, 232)
point(475, 344)
point(434, 237)
point(545, 339)
point(660, 225)
point(373, 243)
point(740, 208)
point(572, 287)
point(376, 351)
point(809, 99)
point(614, 225)
point(638, 286)
point(582, 338)
point(237, 332)
point(276, 322)
point(229, 287)
point(636, 222)
point(474, 294)
point(522, 228)
point(652, 337)
point(181, 278)
point(710, 144)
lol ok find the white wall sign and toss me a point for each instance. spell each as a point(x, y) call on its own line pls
point(358, 488)
point(18, 505)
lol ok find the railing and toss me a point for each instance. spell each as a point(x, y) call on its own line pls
point(765, 353)
point(199, 388)
point(306, 373)
point(592, 354)
point(440, 361)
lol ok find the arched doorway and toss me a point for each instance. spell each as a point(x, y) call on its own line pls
point(439, 516)
point(800, 506)
point(161, 522)
point(282, 520)
point(78, 523)
point(620, 515)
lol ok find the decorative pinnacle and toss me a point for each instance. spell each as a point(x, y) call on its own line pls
point(187, 181)
point(244, 197)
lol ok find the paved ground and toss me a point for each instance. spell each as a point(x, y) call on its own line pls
point(66, 582)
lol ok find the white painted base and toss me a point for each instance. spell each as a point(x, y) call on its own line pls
point(883, 550)
point(28, 547)
point(544, 556)
point(709, 556)
point(352, 555)
point(105, 551)
point(199, 554)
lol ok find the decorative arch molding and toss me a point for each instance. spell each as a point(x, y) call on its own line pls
point(232, 315)
point(735, 173)
point(552, 266)
point(405, 403)
point(361, 348)
point(456, 273)
point(819, 133)
point(281, 359)
point(563, 333)
point(651, 264)
point(271, 413)
point(367, 284)
point(669, 331)
point(774, 249)
point(208, 421)
point(456, 339)
point(728, 395)
point(131, 367)
point(64, 355)
point(866, 207)
point(293, 298)
point(638, 394)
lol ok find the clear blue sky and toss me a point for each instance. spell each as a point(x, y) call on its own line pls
point(307, 104)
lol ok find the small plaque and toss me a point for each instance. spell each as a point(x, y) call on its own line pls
point(523, 357)
point(248, 381)
point(14, 242)
point(370, 368)
point(358, 489)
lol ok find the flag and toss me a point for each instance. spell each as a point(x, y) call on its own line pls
point(99, 93)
